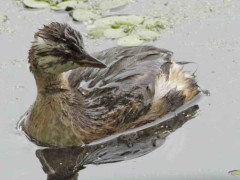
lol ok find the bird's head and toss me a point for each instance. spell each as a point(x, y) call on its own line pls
point(58, 48)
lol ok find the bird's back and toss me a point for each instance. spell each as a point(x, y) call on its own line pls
point(139, 85)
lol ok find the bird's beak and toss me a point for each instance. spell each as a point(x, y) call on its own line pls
point(90, 61)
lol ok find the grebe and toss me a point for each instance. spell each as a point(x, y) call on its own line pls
point(109, 92)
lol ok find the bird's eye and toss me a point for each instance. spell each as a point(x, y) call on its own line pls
point(67, 54)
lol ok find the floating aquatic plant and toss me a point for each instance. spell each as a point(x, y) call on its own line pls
point(130, 30)
point(36, 4)
point(85, 15)
point(81, 10)
point(111, 4)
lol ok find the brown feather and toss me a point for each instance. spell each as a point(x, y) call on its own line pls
point(139, 85)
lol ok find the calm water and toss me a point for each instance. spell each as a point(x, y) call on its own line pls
point(206, 147)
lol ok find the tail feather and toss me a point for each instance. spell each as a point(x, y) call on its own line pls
point(174, 89)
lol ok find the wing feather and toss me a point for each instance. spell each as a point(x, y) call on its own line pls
point(124, 91)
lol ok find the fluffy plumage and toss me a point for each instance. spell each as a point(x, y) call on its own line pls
point(139, 85)
point(56, 48)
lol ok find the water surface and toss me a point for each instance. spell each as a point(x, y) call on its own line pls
point(206, 147)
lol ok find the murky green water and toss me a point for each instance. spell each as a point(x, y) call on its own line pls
point(206, 147)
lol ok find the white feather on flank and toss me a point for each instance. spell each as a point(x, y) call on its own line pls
point(176, 80)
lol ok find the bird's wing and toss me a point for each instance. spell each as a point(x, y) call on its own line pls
point(123, 91)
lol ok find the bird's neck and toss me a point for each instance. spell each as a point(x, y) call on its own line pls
point(57, 114)
point(51, 83)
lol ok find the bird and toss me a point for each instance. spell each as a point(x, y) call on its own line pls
point(83, 97)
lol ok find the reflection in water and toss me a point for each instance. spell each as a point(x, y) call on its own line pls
point(65, 163)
